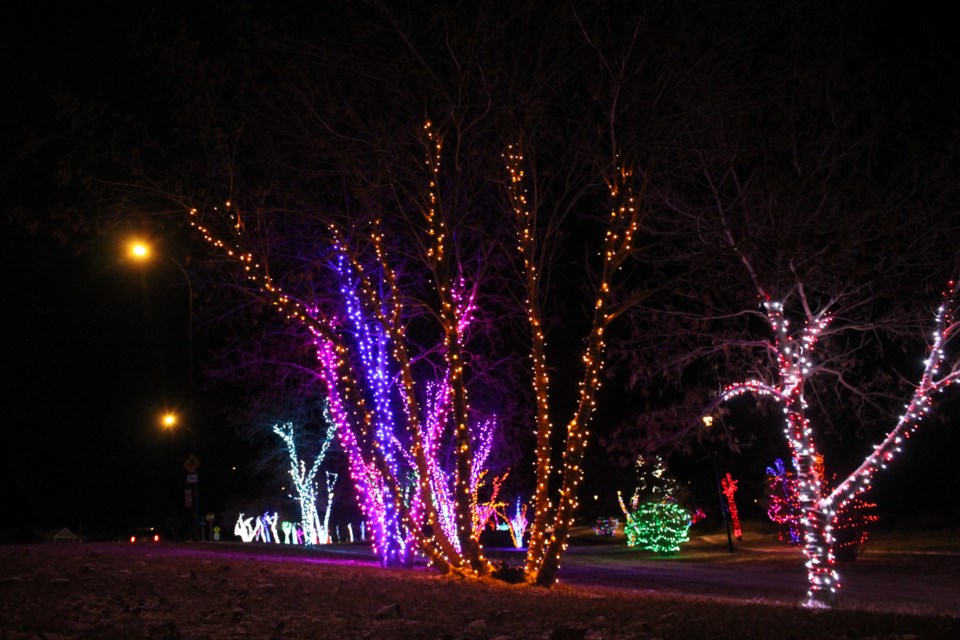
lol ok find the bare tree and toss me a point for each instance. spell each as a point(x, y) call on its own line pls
point(789, 162)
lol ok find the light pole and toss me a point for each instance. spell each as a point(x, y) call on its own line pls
point(141, 252)
point(170, 421)
point(707, 423)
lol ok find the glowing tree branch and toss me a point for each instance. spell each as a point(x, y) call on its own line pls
point(729, 486)
point(393, 433)
point(304, 480)
point(454, 316)
point(370, 342)
point(518, 524)
point(393, 447)
point(820, 505)
point(550, 529)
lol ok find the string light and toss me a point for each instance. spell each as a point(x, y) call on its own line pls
point(659, 526)
point(820, 506)
point(395, 448)
point(606, 526)
point(784, 504)
point(729, 488)
point(550, 530)
point(518, 524)
point(304, 480)
point(654, 520)
point(392, 444)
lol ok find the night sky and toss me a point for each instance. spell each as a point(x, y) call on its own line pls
point(98, 351)
point(97, 348)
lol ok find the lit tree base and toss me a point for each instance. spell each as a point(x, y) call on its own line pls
point(825, 601)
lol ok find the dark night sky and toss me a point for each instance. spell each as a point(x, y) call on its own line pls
point(96, 349)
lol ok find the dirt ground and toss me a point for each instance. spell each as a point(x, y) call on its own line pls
point(115, 590)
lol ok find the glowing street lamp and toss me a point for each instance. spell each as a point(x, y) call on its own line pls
point(168, 421)
point(724, 506)
point(141, 251)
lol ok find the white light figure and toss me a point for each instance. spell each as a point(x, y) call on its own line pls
point(518, 524)
point(261, 533)
point(325, 527)
point(244, 528)
point(289, 532)
point(304, 481)
point(270, 527)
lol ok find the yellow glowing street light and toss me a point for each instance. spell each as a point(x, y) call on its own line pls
point(169, 420)
point(142, 251)
point(139, 250)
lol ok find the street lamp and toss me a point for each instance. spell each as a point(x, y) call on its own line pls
point(707, 424)
point(141, 251)
point(168, 420)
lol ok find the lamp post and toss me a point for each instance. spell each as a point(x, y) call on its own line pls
point(707, 423)
point(141, 252)
point(169, 421)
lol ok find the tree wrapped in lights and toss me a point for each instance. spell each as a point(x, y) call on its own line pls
point(659, 526)
point(783, 506)
point(794, 351)
point(850, 521)
point(315, 530)
point(395, 448)
point(654, 519)
point(394, 424)
point(517, 524)
point(729, 487)
point(550, 530)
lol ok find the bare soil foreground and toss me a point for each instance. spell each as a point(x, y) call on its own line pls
point(225, 590)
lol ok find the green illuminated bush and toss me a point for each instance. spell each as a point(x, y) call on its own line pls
point(660, 527)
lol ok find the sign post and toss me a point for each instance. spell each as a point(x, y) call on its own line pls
point(192, 464)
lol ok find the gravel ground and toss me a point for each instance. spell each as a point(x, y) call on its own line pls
point(115, 590)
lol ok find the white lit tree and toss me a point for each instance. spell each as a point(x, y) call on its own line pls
point(795, 353)
point(315, 530)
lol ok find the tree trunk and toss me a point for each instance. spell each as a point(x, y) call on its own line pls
point(818, 548)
